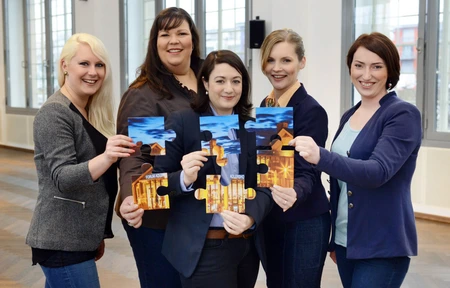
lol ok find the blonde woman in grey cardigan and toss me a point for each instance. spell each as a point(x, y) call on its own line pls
point(75, 155)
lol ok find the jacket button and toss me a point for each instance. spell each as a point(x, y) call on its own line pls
point(350, 205)
point(329, 192)
point(349, 193)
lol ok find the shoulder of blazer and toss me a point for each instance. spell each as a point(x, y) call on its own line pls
point(58, 105)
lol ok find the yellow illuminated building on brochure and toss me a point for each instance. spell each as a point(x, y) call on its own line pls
point(219, 197)
point(144, 190)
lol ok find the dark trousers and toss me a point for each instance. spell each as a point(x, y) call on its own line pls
point(296, 251)
point(371, 273)
point(227, 263)
point(154, 269)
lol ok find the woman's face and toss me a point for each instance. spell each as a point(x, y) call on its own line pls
point(369, 74)
point(224, 87)
point(282, 67)
point(175, 46)
point(85, 72)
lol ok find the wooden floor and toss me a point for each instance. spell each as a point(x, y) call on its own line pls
point(18, 191)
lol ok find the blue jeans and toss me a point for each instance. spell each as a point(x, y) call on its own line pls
point(81, 275)
point(296, 251)
point(371, 273)
point(153, 268)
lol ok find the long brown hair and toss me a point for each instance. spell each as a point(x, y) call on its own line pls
point(152, 69)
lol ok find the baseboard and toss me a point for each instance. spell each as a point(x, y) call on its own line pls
point(432, 217)
point(17, 148)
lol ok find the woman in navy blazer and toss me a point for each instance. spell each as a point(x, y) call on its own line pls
point(213, 250)
point(297, 229)
point(371, 164)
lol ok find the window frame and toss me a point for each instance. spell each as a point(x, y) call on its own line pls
point(427, 49)
point(28, 110)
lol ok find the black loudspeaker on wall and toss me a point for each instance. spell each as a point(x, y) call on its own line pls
point(257, 33)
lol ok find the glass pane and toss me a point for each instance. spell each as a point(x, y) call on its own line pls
point(239, 3)
point(212, 22)
point(171, 3)
point(399, 20)
point(61, 31)
point(15, 55)
point(228, 41)
point(212, 5)
point(188, 5)
point(228, 4)
point(228, 19)
point(37, 73)
point(139, 20)
point(212, 41)
point(443, 69)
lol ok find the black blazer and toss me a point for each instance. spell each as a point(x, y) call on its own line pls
point(188, 221)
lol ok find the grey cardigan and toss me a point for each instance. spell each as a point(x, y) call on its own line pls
point(71, 209)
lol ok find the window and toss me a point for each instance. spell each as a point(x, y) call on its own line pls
point(225, 26)
point(138, 19)
point(442, 104)
point(221, 25)
point(425, 57)
point(35, 32)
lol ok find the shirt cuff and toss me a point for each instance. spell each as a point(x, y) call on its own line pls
point(183, 187)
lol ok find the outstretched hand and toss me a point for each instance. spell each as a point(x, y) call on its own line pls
point(284, 197)
point(118, 146)
point(307, 148)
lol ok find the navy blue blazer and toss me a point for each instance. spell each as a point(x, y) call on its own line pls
point(188, 221)
point(378, 173)
point(310, 119)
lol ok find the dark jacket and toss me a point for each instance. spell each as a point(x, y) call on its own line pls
point(378, 173)
point(144, 102)
point(310, 119)
point(73, 213)
point(188, 223)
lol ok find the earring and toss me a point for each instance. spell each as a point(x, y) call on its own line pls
point(206, 92)
point(65, 73)
point(389, 86)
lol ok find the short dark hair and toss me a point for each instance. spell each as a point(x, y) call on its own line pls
point(201, 104)
point(151, 70)
point(381, 45)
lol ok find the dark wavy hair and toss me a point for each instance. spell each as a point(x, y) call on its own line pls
point(152, 69)
point(381, 45)
point(201, 104)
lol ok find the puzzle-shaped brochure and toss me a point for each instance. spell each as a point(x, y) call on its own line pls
point(274, 129)
point(225, 197)
point(149, 131)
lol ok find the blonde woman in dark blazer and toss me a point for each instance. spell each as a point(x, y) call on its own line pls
point(76, 169)
point(297, 229)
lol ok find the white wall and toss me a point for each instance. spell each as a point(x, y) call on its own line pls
point(101, 18)
point(321, 78)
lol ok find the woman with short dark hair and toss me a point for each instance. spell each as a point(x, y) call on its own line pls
point(371, 165)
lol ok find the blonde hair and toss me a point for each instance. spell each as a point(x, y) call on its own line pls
point(277, 36)
point(100, 105)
